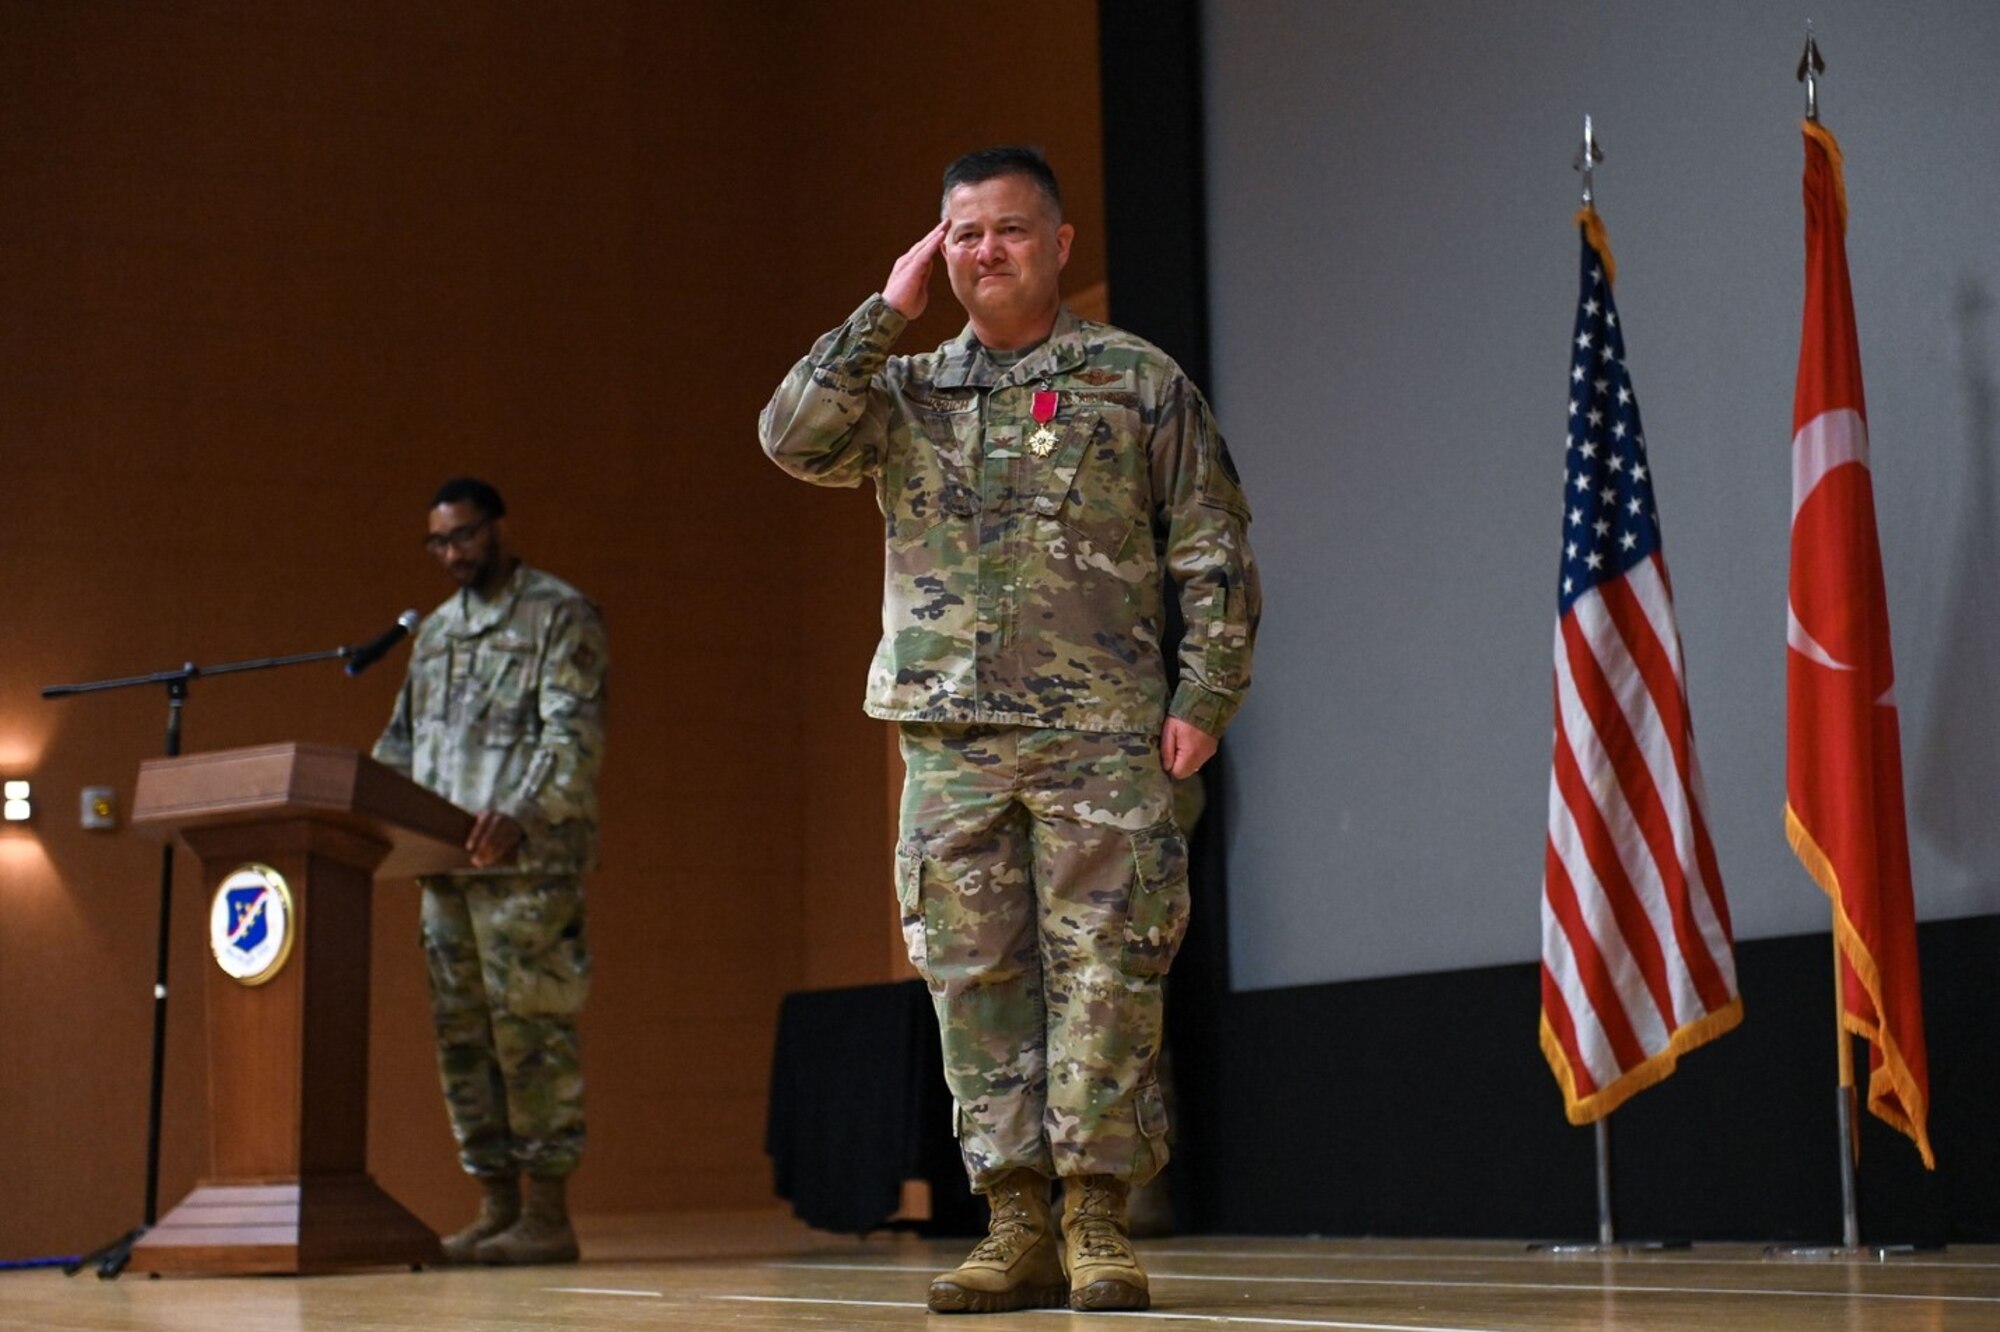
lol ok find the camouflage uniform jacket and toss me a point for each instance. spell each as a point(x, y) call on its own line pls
point(1025, 589)
point(503, 708)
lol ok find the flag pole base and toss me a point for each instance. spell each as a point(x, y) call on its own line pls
point(1580, 1249)
point(1878, 1253)
point(1607, 1235)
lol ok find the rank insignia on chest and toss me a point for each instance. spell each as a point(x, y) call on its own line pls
point(1043, 442)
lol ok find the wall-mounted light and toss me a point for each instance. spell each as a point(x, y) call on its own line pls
point(17, 802)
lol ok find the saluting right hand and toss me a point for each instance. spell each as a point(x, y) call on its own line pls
point(908, 289)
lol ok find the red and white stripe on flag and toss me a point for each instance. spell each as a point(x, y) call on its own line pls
point(1843, 747)
point(1638, 962)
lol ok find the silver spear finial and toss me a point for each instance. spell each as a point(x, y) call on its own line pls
point(1587, 156)
point(1811, 66)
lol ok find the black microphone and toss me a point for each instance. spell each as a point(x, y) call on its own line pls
point(367, 654)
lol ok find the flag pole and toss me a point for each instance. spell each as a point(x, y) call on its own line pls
point(1605, 1237)
point(1598, 583)
point(1588, 155)
point(1811, 66)
point(1850, 1129)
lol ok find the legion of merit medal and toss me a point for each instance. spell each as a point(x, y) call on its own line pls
point(1043, 442)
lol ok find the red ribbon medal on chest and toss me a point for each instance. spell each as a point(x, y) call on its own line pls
point(1043, 441)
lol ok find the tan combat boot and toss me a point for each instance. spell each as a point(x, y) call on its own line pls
point(1018, 1265)
point(498, 1208)
point(541, 1235)
point(1104, 1273)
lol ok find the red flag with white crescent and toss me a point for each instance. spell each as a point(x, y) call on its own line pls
point(1843, 748)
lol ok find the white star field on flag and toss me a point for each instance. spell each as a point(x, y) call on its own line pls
point(1611, 524)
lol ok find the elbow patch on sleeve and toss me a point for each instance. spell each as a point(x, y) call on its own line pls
point(1218, 482)
point(1220, 638)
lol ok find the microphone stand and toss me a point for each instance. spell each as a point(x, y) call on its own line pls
point(110, 1259)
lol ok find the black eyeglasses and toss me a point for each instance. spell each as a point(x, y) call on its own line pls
point(456, 539)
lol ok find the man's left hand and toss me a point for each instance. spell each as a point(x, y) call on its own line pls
point(1184, 747)
point(494, 838)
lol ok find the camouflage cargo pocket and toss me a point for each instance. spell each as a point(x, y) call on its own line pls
point(924, 482)
point(553, 984)
point(910, 902)
point(1157, 915)
point(1095, 508)
point(534, 945)
point(430, 684)
point(1152, 1111)
point(918, 509)
point(504, 672)
point(557, 987)
point(1058, 494)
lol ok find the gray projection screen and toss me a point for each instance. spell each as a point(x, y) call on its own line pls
point(1393, 280)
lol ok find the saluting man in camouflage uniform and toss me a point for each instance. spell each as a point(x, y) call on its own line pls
point(1044, 481)
point(502, 713)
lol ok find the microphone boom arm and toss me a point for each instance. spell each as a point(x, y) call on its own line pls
point(184, 673)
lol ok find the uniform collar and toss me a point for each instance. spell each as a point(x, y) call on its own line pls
point(964, 363)
point(471, 615)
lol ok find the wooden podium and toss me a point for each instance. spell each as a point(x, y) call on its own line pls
point(288, 1188)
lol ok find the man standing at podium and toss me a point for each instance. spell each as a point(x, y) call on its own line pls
point(1046, 483)
point(502, 713)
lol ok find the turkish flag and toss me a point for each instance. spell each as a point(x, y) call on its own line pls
point(1843, 748)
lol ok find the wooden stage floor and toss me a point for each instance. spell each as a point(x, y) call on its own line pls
point(766, 1273)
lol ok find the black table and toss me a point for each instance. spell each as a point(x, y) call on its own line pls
point(858, 1106)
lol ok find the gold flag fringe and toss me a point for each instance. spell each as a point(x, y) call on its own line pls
point(1824, 138)
point(1593, 232)
point(1894, 1075)
point(1589, 1109)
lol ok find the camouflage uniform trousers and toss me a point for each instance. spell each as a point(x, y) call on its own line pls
point(509, 971)
point(1043, 887)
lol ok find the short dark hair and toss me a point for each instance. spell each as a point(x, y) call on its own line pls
point(1005, 160)
point(471, 490)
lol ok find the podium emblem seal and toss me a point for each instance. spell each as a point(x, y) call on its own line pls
point(250, 924)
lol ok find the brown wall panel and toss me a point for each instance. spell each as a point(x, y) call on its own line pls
point(270, 271)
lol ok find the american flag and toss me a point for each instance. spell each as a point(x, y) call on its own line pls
point(1637, 960)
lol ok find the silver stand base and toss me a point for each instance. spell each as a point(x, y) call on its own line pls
point(1874, 1253)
